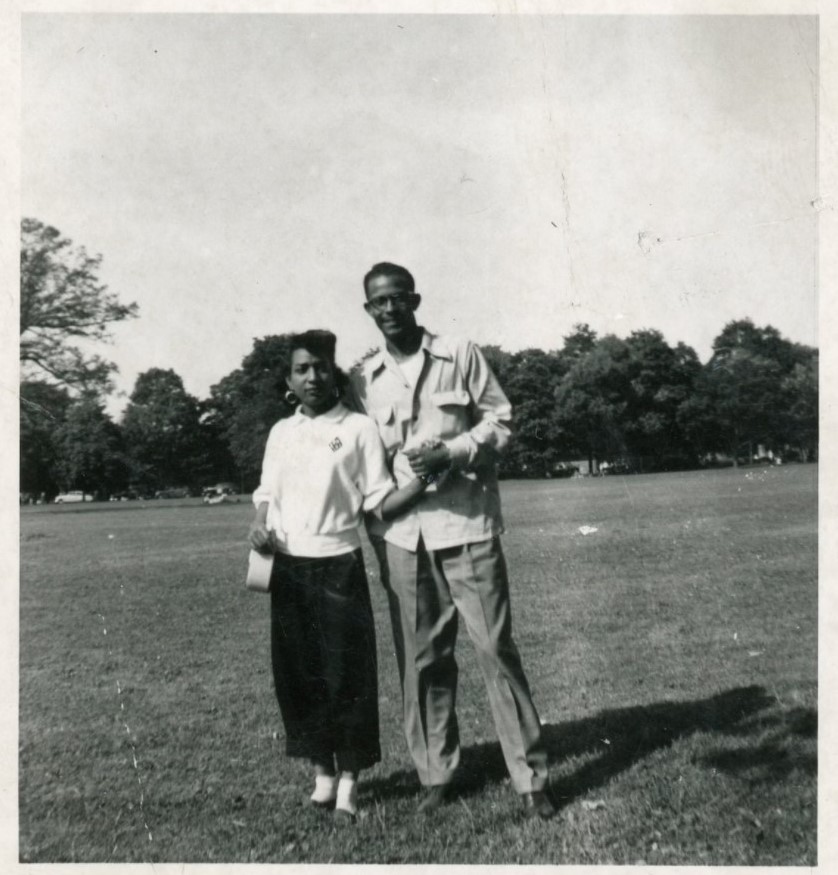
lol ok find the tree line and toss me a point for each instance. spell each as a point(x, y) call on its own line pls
point(635, 403)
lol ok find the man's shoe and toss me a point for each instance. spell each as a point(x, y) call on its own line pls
point(433, 799)
point(536, 804)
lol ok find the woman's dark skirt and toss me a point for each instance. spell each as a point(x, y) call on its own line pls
point(323, 658)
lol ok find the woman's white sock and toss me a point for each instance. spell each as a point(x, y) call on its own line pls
point(347, 799)
point(325, 789)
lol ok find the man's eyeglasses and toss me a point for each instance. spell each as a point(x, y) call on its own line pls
point(397, 302)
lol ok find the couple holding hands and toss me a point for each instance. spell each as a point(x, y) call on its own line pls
point(421, 466)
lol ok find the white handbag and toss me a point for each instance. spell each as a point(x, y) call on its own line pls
point(259, 568)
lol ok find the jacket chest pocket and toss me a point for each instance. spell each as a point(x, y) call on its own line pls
point(452, 409)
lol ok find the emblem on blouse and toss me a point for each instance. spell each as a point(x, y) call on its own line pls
point(335, 445)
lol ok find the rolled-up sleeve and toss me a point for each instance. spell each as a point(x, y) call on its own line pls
point(491, 412)
point(267, 483)
point(375, 482)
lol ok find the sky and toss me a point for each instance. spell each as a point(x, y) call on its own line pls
point(240, 173)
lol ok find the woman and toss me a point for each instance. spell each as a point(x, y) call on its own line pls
point(324, 467)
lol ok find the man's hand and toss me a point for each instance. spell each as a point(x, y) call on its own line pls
point(428, 460)
point(262, 539)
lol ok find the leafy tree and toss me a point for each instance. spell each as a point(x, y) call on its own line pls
point(578, 343)
point(246, 403)
point(43, 408)
point(736, 403)
point(63, 302)
point(530, 379)
point(500, 361)
point(798, 406)
point(660, 380)
point(216, 463)
point(743, 336)
point(90, 452)
point(592, 399)
point(162, 431)
point(739, 400)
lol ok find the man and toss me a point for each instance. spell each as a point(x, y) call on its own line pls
point(442, 415)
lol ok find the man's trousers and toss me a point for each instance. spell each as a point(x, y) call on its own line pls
point(428, 590)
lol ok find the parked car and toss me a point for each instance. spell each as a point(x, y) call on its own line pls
point(172, 492)
point(220, 494)
point(619, 467)
point(74, 495)
point(129, 494)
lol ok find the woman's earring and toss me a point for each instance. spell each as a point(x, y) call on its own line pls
point(336, 391)
point(291, 398)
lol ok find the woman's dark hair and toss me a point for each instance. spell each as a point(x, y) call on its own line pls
point(320, 342)
point(401, 276)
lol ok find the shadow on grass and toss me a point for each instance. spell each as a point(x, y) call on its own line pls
point(768, 760)
point(614, 740)
point(777, 755)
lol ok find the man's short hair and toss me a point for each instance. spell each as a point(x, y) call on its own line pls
point(401, 276)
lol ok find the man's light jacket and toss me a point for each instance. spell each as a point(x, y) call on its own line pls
point(457, 400)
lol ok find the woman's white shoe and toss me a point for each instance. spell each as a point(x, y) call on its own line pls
point(347, 797)
point(325, 789)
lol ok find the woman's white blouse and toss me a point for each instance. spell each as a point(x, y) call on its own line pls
point(319, 475)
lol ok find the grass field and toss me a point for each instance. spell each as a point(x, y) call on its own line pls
point(672, 655)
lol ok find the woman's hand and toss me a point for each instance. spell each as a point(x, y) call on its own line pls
point(429, 459)
point(261, 538)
